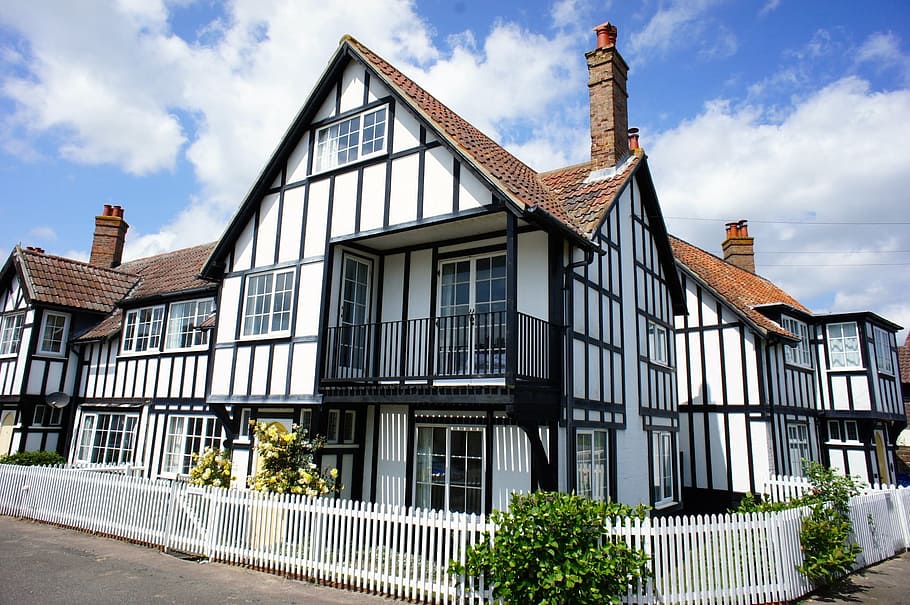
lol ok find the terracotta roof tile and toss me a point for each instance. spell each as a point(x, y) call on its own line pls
point(107, 328)
point(903, 360)
point(740, 288)
point(171, 272)
point(70, 283)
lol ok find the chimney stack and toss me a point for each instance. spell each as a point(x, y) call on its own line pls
point(607, 74)
point(110, 234)
point(739, 248)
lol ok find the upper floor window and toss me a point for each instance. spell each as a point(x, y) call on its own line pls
point(142, 329)
point(183, 321)
point(355, 138)
point(52, 340)
point(45, 415)
point(798, 354)
point(657, 343)
point(883, 357)
point(268, 303)
point(843, 346)
point(10, 334)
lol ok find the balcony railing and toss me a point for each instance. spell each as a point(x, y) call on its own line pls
point(472, 346)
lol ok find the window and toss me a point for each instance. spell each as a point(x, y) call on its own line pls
point(449, 469)
point(183, 320)
point(142, 331)
point(244, 432)
point(657, 343)
point(834, 430)
point(843, 346)
point(336, 432)
point(591, 464)
point(45, 415)
point(306, 420)
point(662, 483)
point(798, 441)
point(883, 357)
point(107, 438)
point(851, 431)
point(268, 303)
point(10, 334)
point(52, 340)
point(356, 138)
point(355, 290)
point(798, 354)
point(188, 435)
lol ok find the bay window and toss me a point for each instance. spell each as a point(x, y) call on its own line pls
point(183, 321)
point(883, 357)
point(843, 346)
point(798, 354)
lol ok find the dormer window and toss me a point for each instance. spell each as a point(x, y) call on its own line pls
point(142, 329)
point(356, 138)
point(798, 354)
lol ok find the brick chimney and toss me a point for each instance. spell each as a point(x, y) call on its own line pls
point(110, 233)
point(607, 74)
point(738, 247)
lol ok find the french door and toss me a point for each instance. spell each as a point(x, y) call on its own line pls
point(471, 326)
point(355, 292)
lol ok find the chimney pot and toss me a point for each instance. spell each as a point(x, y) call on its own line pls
point(108, 209)
point(633, 139)
point(606, 35)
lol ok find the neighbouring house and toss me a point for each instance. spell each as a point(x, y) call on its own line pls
point(903, 440)
point(457, 325)
point(766, 383)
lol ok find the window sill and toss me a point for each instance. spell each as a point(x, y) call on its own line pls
point(665, 504)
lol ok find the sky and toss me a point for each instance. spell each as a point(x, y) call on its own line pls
point(793, 115)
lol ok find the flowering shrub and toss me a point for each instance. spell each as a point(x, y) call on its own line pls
point(286, 463)
point(213, 467)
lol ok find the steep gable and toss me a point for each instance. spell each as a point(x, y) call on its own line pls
point(743, 290)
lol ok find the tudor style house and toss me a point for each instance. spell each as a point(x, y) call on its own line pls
point(764, 383)
point(457, 325)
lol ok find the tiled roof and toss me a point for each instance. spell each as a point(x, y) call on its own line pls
point(108, 327)
point(584, 204)
point(171, 272)
point(70, 283)
point(742, 289)
point(903, 360)
point(559, 193)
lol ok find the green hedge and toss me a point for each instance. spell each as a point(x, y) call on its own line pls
point(41, 458)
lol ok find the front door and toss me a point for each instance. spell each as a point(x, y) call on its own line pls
point(471, 324)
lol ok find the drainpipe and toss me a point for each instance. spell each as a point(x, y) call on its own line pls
point(567, 330)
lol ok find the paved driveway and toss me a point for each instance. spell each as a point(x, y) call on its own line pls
point(42, 564)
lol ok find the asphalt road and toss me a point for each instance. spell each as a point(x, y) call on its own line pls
point(42, 564)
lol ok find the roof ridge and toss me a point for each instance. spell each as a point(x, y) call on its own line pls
point(740, 270)
point(86, 264)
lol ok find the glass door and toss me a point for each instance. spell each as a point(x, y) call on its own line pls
point(355, 290)
point(472, 322)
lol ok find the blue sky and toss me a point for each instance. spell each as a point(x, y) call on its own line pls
point(794, 115)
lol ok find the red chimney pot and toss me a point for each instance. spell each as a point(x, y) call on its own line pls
point(107, 211)
point(606, 35)
point(633, 139)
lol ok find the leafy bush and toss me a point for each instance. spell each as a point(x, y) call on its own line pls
point(39, 458)
point(213, 467)
point(551, 549)
point(825, 535)
point(287, 463)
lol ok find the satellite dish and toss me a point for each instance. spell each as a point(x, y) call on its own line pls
point(57, 400)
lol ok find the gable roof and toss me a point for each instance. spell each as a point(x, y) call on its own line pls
point(64, 282)
point(743, 290)
point(170, 273)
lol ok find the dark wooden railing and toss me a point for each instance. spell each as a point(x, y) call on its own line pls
point(456, 346)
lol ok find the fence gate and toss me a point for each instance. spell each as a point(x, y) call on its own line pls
point(190, 520)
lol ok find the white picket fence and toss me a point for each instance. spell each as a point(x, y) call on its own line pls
point(405, 553)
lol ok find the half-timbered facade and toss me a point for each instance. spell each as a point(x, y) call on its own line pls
point(458, 326)
point(756, 384)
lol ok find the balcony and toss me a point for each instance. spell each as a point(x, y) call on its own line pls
point(452, 350)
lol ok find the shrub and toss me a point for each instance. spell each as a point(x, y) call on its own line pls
point(213, 467)
point(551, 549)
point(287, 463)
point(39, 458)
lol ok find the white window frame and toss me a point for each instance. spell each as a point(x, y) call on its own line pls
point(11, 334)
point(663, 471)
point(64, 332)
point(184, 436)
point(798, 442)
point(143, 329)
point(117, 446)
point(842, 355)
point(883, 357)
point(269, 307)
point(354, 312)
point(591, 470)
point(184, 326)
point(350, 131)
point(834, 431)
point(799, 354)
point(658, 343)
point(447, 484)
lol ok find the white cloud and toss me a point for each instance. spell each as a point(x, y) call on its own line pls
point(43, 234)
point(678, 20)
point(813, 166)
point(882, 51)
point(769, 7)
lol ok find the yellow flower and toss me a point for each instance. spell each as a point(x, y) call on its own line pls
point(334, 473)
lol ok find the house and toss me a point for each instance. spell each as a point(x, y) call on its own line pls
point(766, 383)
point(457, 325)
